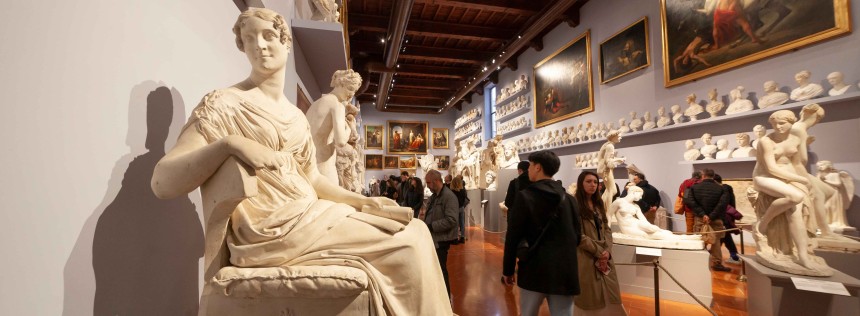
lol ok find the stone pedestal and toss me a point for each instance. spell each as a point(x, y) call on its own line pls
point(772, 292)
point(474, 211)
point(688, 266)
point(845, 262)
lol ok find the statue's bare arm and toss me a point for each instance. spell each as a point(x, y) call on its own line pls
point(339, 128)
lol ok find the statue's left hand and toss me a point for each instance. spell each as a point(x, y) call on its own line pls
point(377, 202)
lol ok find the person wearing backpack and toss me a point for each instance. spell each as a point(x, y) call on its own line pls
point(546, 218)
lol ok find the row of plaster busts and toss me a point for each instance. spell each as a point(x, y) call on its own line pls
point(468, 116)
point(520, 103)
point(586, 160)
point(520, 84)
point(515, 124)
point(720, 149)
point(466, 129)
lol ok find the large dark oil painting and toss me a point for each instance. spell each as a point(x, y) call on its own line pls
point(562, 83)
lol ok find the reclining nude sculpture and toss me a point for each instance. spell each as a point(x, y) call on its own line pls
point(280, 238)
point(635, 230)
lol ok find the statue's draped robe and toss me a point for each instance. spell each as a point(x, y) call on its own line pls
point(287, 224)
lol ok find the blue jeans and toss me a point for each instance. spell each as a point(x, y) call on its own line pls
point(462, 220)
point(558, 304)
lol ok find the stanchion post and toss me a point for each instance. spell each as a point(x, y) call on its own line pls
point(656, 287)
point(743, 276)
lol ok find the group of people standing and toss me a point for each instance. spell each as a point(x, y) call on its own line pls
point(559, 244)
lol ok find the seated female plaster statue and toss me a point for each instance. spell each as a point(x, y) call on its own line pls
point(692, 152)
point(739, 102)
point(635, 122)
point(693, 108)
point(723, 150)
point(744, 149)
point(782, 187)
point(842, 186)
point(836, 79)
point(328, 131)
point(662, 118)
point(649, 123)
point(708, 149)
point(772, 96)
point(293, 220)
point(632, 222)
point(677, 116)
point(806, 90)
point(714, 105)
point(606, 163)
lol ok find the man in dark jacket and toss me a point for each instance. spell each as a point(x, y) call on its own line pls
point(517, 184)
point(650, 200)
point(441, 219)
point(545, 216)
point(402, 188)
point(708, 201)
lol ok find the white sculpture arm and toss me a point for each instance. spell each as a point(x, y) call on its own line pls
point(340, 129)
point(192, 161)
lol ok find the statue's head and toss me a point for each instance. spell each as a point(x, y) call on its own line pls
point(613, 136)
point(824, 165)
point(265, 38)
point(743, 139)
point(759, 131)
point(782, 120)
point(770, 86)
point(490, 177)
point(802, 76)
point(722, 144)
point(634, 193)
point(706, 138)
point(689, 144)
point(835, 78)
point(346, 79)
point(737, 93)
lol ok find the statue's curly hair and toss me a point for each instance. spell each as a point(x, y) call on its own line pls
point(267, 15)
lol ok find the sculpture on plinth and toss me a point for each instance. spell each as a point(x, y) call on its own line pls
point(635, 122)
point(606, 163)
point(836, 79)
point(692, 153)
point(723, 150)
point(649, 123)
point(662, 118)
point(328, 121)
point(708, 149)
point(841, 194)
point(759, 131)
point(778, 176)
point(693, 108)
point(634, 228)
point(744, 149)
point(739, 102)
point(274, 225)
point(677, 116)
point(714, 105)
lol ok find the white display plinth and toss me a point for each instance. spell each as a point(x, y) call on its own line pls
point(845, 262)
point(688, 266)
point(772, 292)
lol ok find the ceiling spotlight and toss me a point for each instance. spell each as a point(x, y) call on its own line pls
point(494, 61)
point(374, 95)
point(382, 40)
point(407, 40)
point(519, 36)
point(499, 67)
point(485, 68)
point(398, 66)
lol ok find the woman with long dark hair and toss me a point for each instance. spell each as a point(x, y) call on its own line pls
point(415, 195)
point(600, 293)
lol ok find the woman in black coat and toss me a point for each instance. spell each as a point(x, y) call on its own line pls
point(415, 195)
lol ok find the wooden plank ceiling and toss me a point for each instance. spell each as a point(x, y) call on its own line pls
point(446, 44)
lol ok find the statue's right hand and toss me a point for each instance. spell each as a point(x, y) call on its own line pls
point(253, 153)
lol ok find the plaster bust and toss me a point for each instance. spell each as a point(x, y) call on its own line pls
point(836, 79)
point(723, 150)
point(759, 131)
point(662, 118)
point(739, 102)
point(649, 123)
point(692, 153)
point(677, 116)
point(622, 123)
point(693, 108)
point(635, 122)
point(744, 149)
point(708, 149)
point(714, 105)
point(490, 178)
point(806, 90)
point(772, 95)
point(327, 118)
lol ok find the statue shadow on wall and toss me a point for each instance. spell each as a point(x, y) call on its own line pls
point(145, 251)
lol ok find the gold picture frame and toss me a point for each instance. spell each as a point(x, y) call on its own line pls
point(564, 95)
point(374, 136)
point(408, 162)
point(372, 162)
point(688, 57)
point(391, 162)
point(619, 55)
point(407, 137)
point(440, 138)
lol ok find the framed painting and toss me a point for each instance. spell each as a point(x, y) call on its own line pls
point(374, 136)
point(562, 83)
point(625, 52)
point(373, 162)
point(405, 137)
point(391, 162)
point(408, 162)
point(443, 162)
point(440, 138)
point(302, 100)
point(743, 204)
point(701, 38)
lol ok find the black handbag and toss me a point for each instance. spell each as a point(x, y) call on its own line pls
point(523, 248)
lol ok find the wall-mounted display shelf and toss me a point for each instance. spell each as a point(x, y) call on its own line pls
point(468, 117)
point(508, 116)
point(459, 137)
point(513, 96)
point(723, 119)
point(707, 161)
point(516, 131)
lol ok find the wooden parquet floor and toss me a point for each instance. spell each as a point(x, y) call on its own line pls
point(475, 268)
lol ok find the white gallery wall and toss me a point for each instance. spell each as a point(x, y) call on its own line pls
point(93, 93)
point(658, 154)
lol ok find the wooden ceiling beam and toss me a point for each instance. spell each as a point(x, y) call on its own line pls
point(378, 23)
point(503, 6)
point(428, 53)
point(425, 70)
